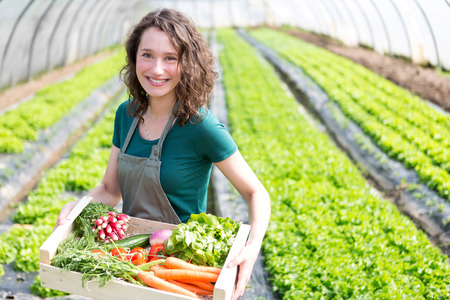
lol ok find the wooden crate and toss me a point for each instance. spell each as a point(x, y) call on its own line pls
point(67, 281)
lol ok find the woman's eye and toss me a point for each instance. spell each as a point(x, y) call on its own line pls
point(146, 55)
point(171, 58)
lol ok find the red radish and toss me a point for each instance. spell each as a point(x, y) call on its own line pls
point(111, 227)
point(113, 236)
point(123, 217)
point(101, 234)
point(115, 225)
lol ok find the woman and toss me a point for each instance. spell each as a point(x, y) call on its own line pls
point(166, 140)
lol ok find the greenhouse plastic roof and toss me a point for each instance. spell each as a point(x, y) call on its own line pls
point(37, 36)
point(416, 29)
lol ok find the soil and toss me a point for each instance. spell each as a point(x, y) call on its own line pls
point(423, 81)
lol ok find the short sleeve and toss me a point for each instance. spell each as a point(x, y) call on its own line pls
point(118, 134)
point(214, 140)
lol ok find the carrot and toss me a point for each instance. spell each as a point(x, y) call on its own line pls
point(157, 267)
point(178, 263)
point(151, 280)
point(201, 284)
point(193, 288)
point(179, 274)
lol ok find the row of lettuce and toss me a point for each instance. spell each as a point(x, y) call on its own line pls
point(329, 236)
point(400, 123)
point(34, 220)
point(22, 124)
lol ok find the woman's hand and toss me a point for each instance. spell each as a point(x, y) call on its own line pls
point(67, 208)
point(107, 192)
point(245, 260)
point(239, 173)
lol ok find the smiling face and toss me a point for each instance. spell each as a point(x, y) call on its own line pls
point(157, 65)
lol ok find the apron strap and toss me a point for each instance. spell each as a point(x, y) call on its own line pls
point(156, 149)
point(129, 135)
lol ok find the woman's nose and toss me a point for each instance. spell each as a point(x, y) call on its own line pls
point(158, 66)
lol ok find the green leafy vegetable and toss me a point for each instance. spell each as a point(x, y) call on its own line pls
point(329, 236)
point(21, 245)
point(24, 122)
point(37, 289)
point(400, 123)
point(75, 254)
point(204, 240)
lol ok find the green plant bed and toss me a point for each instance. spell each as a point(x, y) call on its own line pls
point(415, 199)
point(51, 103)
point(34, 220)
point(329, 236)
point(401, 124)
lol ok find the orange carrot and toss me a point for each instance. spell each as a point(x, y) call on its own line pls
point(157, 267)
point(201, 284)
point(177, 274)
point(178, 263)
point(151, 280)
point(193, 288)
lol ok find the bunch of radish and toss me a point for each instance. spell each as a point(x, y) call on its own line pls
point(111, 227)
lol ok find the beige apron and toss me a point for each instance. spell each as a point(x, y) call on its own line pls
point(140, 184)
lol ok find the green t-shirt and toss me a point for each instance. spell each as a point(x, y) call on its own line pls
point(187, 157)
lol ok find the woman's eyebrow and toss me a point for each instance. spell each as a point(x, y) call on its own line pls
point(165, 53)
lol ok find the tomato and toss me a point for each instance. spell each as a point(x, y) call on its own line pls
point(157, 251)
point(120, 253)
point(154, 258)
point(139, 262)
point(98, 252)
point(138, 254)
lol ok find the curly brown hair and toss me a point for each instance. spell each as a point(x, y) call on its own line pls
point(195, 88)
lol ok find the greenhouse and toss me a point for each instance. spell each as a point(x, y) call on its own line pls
point(340, 109)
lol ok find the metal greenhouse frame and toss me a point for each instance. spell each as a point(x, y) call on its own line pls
point(37, 36)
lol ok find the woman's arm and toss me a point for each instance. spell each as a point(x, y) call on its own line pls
point(107, 192)
point(239, 173)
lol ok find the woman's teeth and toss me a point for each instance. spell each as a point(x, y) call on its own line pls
point(157, 81)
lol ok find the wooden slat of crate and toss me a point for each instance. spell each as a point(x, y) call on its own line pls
point(224, 287)
point(70, 282)
point(49, 247)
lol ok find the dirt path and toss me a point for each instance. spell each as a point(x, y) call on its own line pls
point(425, 82)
